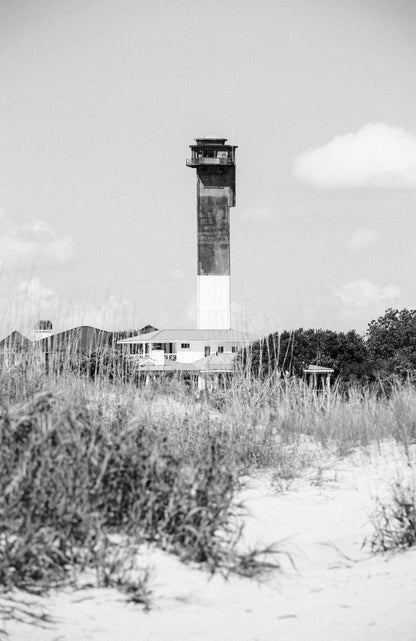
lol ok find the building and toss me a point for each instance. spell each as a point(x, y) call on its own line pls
point(69, 347)
point(75, 342)
point(204, 357)
point(79, 343)
point(15, 349)
point(183, 345)
point(318, 376)
point(214, 162)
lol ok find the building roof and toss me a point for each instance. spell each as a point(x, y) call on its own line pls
point(216, 363)
point(123, 334)
point(83, 340)
point(318, 369)
point(15, 341)
point(187, 335)
point(211, 140)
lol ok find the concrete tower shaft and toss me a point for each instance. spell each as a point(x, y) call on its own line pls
point(215, 165)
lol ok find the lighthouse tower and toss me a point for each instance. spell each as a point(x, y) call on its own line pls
point(214, 161)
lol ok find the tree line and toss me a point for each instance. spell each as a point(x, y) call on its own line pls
point(386, 351)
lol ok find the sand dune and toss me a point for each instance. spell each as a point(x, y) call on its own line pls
point(337, 591)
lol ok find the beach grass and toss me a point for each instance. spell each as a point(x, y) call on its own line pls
point(92, 469)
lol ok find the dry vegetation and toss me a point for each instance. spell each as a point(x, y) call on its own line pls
point(92, 469)
point(395, 521)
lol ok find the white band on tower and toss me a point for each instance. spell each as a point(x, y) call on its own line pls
point(214, 302)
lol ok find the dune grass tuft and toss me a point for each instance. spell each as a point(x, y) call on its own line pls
point(394, 521)
point(69, 480)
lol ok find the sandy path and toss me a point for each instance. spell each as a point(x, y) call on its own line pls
point(328, 597)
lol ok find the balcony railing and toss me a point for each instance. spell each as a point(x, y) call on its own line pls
point(170, 357)
point(200, 160)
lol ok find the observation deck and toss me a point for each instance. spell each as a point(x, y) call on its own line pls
point(211, 151)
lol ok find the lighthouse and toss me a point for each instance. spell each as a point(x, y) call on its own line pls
point(214, 162)
point(208, 352)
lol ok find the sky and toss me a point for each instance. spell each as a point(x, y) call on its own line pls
point(99, 102)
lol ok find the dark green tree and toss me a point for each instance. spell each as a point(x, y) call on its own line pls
point(292, 352)
point(391, 343)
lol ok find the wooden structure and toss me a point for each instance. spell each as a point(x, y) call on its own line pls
point(319, 377)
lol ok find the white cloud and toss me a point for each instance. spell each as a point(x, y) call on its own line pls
point(375, 156)
point(33, 290)
point(29, 244)
point(258, 214)
point(362, 239)
point(361, 294)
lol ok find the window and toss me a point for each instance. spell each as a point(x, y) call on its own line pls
point(185, 345)
point(234, 349)
point(207, 350)
point(220, 349)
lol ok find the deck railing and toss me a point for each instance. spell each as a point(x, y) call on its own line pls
point(200, 160)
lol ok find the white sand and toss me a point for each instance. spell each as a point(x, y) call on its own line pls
point(338, 591)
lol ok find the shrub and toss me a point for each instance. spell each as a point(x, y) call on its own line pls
point(395, 522)
point(68, 481)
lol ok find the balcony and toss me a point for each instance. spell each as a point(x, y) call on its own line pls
point(200, 160)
